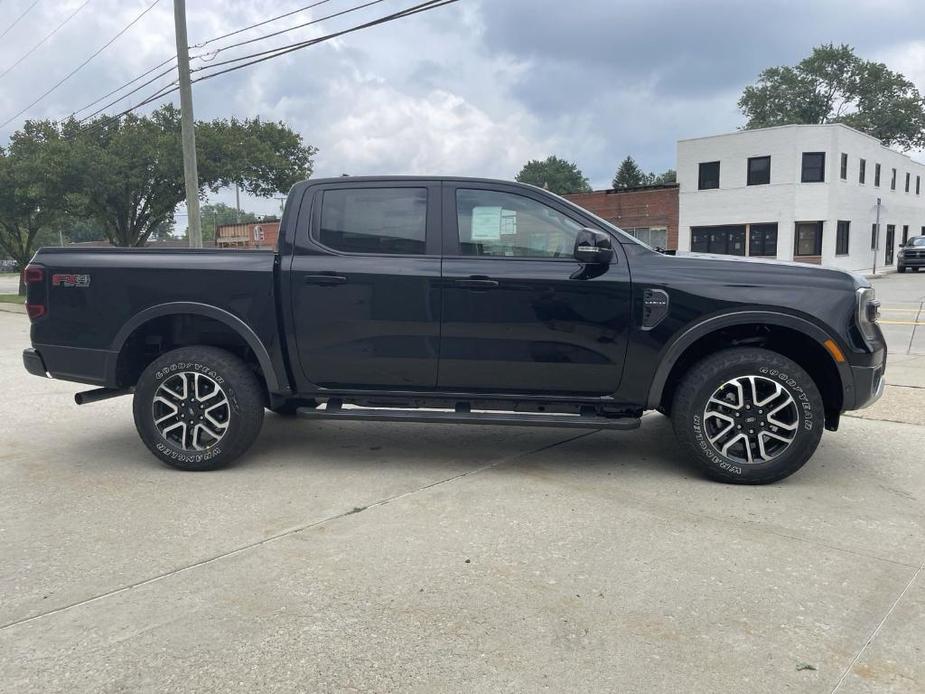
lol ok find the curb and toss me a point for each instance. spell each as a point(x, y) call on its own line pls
point(12, 308)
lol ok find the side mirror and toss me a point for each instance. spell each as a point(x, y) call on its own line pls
point(593, 247)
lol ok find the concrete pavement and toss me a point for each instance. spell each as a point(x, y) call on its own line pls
point(366, 557)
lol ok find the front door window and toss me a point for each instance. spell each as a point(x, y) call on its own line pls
point(492, 223)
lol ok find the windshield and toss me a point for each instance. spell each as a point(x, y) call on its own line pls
point(917, 241)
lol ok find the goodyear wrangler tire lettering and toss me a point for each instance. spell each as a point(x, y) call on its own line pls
point(747, 415)
point(186, 390)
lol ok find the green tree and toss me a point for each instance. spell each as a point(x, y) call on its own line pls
point(217, 214)
point(131, 170)
point(629, 175)
point(834, 85)
point(31, 191)
point(555, 174)
point(669, 176)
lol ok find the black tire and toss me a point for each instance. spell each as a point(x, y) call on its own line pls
point(915, 269)
point(900, 268)
point(238, 417)
point(694, 426)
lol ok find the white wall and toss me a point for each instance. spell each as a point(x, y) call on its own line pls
point(786, 200)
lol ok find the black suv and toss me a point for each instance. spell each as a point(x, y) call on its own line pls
point(911, 255)
point(466, 301)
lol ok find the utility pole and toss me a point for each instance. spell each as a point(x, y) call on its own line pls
point(237, 203)
point(188, 133)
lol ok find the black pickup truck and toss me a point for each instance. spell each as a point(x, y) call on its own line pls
point(453, 300)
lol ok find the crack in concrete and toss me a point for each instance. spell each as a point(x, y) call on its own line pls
point(876, 631)
point(290, 532)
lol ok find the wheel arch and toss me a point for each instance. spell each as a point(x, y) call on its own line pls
point(793, 336)
point(189, 308)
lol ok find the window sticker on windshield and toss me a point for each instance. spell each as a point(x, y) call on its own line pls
point(486, 224)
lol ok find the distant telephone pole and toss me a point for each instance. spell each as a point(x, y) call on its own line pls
point(187, 129)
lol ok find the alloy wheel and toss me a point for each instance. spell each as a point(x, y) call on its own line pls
point(751, 419)
point(191, 411)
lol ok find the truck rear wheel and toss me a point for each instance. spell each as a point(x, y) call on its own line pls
point(198, 408)
point(748, 415)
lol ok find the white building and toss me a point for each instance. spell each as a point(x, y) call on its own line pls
point(799, 192)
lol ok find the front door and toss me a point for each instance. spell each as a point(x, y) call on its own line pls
point(365, 285)
point(520, 314)
point(890, 241)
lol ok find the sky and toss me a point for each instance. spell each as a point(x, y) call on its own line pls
point(475, 88)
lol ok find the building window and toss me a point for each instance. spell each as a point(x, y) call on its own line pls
point(762, 239)
point(844, 166)
point(656, 237)
point(808, 240)
point(841, 239)
point(759, 171)
point(709, 175)
point(893, 180)
point(918, 185)
point(726, 240)
point(908, 180)
point(905, 234)
point(862, 171)
point(813, 167)
point(374, 220)
point(873, 236)
point(877, 175)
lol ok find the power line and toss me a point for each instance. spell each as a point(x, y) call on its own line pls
point(126, 95)
point(83, 64)
point(205, 43)
point(293, 28)
point(172, 87)
point(283, 50)
point(47, 36)
point(16, 21)
point(129, 83)
point(259, 24)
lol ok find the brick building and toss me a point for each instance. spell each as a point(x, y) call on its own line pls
point(650, 213)
point(249, 235)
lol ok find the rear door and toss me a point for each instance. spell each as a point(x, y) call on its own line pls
point(365, 285)
point(520, 314)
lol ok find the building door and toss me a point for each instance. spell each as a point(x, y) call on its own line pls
point(890, 240)
point(905, 234)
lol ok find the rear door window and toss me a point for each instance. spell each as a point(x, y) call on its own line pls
point(383, 221)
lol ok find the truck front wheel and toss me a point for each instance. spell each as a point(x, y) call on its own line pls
point(748, 415)
point(198, 408)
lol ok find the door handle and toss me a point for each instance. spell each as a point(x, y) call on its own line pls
point(477, 283)
point(325, 280)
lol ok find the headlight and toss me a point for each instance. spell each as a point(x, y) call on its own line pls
point(902, 252)
point(868, 313)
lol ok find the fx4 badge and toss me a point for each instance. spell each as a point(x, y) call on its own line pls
point(68, 280)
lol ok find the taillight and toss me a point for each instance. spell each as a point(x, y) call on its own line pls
point(34, 275)
point(35, 310)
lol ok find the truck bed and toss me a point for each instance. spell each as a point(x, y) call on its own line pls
point(97, 296)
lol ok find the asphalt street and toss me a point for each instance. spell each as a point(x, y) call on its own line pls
point(371, 557)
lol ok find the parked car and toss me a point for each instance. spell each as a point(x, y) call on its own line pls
point(452, 300)
point(911, 255)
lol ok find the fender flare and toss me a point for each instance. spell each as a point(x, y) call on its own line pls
point(242, 329)
point(673, 352)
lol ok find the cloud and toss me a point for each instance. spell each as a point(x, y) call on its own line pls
point(475, 88)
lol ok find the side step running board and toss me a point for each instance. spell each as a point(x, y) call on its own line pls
point(377, 414)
